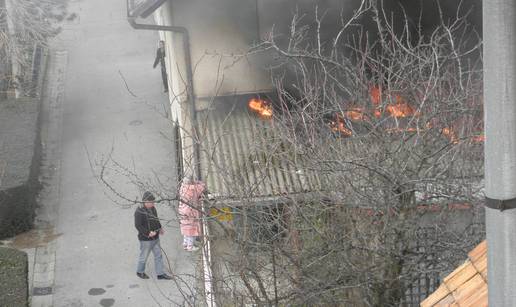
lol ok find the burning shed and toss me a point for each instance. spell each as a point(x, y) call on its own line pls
point(241, 155)
point(387, 130)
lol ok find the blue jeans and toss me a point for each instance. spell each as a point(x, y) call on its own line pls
point(145, 249)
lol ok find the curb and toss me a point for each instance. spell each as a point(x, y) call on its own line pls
point(42, 270)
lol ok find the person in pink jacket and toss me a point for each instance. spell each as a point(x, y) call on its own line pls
point(189, 211)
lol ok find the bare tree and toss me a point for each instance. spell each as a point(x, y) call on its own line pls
point(380, 127)
point(24, 26)
point(349, 181)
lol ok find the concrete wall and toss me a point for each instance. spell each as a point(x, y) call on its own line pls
point(174, 60)
point(221, 32)
point(224, 30)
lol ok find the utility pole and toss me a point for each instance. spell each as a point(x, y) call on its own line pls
point(499, 28)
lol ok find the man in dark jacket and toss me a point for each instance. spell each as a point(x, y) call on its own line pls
point(160, 58)
point(149, 228)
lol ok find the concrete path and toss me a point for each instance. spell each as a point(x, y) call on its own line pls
point(104, 101)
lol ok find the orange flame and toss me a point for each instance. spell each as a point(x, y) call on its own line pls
point(262, 107)
point(376, 95)
point(400, 108)
point(451, 135)
point(337, 125)
point(355, 114)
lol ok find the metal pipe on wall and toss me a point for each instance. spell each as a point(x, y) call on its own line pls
point(499, 22)
point(206, 259)
point(189, 86)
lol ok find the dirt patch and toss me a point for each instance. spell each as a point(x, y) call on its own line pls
point(33, 238)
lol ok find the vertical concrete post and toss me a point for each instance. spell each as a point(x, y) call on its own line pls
point(499, 28)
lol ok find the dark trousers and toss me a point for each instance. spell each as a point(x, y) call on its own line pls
point(164, 77)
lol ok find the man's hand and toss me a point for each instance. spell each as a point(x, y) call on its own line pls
point(161, 231)
point(152, 234)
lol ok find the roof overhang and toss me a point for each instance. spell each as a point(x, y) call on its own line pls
point(142, 8)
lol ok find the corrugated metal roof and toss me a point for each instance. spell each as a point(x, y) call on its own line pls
point(242, 156)
point(466, 286)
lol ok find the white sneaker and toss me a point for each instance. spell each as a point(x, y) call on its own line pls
point(192, 248)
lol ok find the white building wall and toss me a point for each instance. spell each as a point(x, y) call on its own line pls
point(177, 81)
point(221, 33)
point(174, 60)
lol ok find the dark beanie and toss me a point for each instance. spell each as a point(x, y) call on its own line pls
point(147, 196)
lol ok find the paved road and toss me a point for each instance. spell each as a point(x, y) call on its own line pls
point(89, 257)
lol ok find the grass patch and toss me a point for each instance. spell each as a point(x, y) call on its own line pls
point(13, 277)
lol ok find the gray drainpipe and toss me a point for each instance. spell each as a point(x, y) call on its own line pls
point(193, 115)
point(189, 79)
